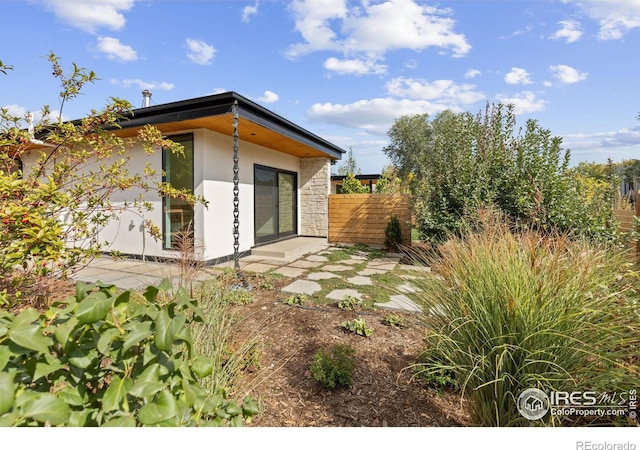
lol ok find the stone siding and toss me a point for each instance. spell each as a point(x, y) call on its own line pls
point(315, 186)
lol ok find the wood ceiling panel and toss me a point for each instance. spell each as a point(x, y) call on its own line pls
point(248, 131)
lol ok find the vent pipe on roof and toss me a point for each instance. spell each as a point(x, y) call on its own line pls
point(146, 98)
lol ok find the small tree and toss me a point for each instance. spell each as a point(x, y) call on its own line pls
point(351, 185)
point(350, 165)
point(52, 209)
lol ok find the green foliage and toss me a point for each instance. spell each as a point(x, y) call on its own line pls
point(348, 303)
point(357, 326)
point(351, 185)
point(350, 165)
point(463, 164)
point(52, 210)
point(394, 320)
point(239, 296)
point(393, 234)
point(516, 310)
point(434, 371)
point(101, 358)
point(334, 367)
point(295, 299)
point(216, 336)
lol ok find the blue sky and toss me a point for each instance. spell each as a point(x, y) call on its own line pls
point(345, 69)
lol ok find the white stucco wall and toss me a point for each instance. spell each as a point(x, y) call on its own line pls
point(217, 164)
point(213, 179)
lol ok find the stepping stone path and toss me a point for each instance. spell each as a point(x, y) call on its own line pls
point(399, 302)
point(322, 276)
point(303, 287)
point(340, 294)
point(360, 281)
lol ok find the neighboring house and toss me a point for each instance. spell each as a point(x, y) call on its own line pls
point(367, 180)
point(283, 170)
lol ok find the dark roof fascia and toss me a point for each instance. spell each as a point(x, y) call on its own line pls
point(358, 177)
point(219, 104)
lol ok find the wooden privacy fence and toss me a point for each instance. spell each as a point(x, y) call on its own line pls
point(363, 218)
point(626, 219)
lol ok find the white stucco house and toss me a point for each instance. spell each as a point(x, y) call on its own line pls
point(283, 179)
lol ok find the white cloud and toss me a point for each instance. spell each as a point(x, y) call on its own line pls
point(569, 30)
point(151, 85)
point(354, 66)
point(114, 50)
point(524, 102)
point(623, 143)
point(249, 11)
point(443, 91)
point(567, 74)
point(616, 17)
point(200, 52)
point(90, 15)
point(472, 73)
point(372, 29)
point(269, 97)
point(374, 116)
point(517, 76)
point(21, 112)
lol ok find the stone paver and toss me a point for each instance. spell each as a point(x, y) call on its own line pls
point(399, 302)
point(367, 272)
point(290, 272)
point(259, 267)
point(351, 261)
point(336, 268)
point(317, 258)
point(360, 281)
point(302, 264)
point(302, 287)
point(408, 288)
point(381, 266)
point(340, 294)
point(322, 276)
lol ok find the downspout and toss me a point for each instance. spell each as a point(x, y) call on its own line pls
point(236, 192)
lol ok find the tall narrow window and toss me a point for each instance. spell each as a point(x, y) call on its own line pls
point(178, 171)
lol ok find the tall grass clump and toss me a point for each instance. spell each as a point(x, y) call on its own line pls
point(510, 310)
point(219, 336)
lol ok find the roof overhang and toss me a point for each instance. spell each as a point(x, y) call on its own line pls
point(257, 125)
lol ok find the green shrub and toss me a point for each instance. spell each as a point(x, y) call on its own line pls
point(357, 326)
point(394, 320)
point(295, 299)
point(334, 367)
point(348, 303)
point(239, 296)
point(102, 359)
point(393, 234)
point(515, 311)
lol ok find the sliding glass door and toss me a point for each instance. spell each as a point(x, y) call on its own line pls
point(275, 206)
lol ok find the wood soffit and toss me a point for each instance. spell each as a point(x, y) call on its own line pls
point(248, 131)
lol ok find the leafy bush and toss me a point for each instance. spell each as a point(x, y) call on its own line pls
point(295, 299)
point(334, 367)
point(463, 163)
point(511, 311)
point(348, 303)
point(393, 234)
point(351, 185)
point(394, 320)
point(357, 326)
point(104, 359)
